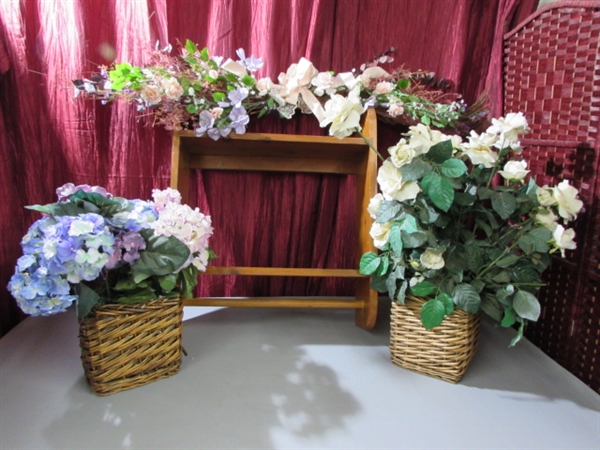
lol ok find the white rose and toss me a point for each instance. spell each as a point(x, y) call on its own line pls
point(401, 153)
point(544, 196)
point(479, 149)
point(508, 128)
point(383, 87)
point(547, 219)
point(432, 259)
point(173, 89)
point(395, 109)
point(422, 138)
point(564, 239)
point(343, 113)
point(374, 205)
point(514, 170)
point(380, 232)
point(390, 181)
point(150, 95)
point(568, 203)
point(326, 83)
point(264, 85)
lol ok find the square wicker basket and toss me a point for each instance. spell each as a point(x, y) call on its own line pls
point(444, 352)
point(126, 346)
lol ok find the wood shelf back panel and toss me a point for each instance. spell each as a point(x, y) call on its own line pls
point(284, 272)
point(274, 155)
point(267, 152)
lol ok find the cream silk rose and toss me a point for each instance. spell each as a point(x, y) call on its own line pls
point(343, 113)
point(390, 182)
point(514, 170)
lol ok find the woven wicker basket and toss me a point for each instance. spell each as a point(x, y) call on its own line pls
point(126, 346)
point(444, 352)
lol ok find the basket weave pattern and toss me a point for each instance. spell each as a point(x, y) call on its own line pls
point(444, 352)
point(126, 346)
point(552, 75)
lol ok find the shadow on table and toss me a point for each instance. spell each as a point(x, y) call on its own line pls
point(245, 382)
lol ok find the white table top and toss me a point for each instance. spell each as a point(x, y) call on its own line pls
point(290, 379)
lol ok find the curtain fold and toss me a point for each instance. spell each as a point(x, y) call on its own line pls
point(48, 138)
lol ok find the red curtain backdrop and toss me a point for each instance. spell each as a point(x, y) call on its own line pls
point(47, 138)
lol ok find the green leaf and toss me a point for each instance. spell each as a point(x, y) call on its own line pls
point(387, 211)
point(414, 240)
point(97, 201)
point(191, 108)
point(86, 299)
point(508, 261)
point(453, 168)
point(466, 298)
point(415, 170)
point(428, 214)
point(502, 277)
point(378, 284)
point(504, 204)
point(474, 257)
point(409, 224)
point(126, 284)
point(248, 80)
point(369, 262)
point(168, 282)
point(441, 152)
point(510, 317)
point(395, 239)
point(439, 190)
point(464, 199)
point(523, 272)
point(401, 292)
point(484, 193)
point(191, 48)
point(403, 83)
point(491, 307)
point(384, 266)
point(189, 281)
point(432, 313)
point(447, 302)
point(142, 296)
point(218, 96)
point(204, 55)
point(540, 237)
point(526, 305)
point(58, 209)
point(391, 284)
point(423, 289)
point(163, 255)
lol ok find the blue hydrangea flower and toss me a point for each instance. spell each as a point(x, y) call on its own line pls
point(138, 216)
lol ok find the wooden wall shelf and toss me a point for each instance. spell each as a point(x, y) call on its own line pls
point(290, 153)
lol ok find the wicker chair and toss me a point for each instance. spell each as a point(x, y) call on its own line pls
point(552, 74)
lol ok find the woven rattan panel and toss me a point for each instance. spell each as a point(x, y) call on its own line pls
point(552, 75)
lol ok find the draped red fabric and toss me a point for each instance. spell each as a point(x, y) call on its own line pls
point(48, 138)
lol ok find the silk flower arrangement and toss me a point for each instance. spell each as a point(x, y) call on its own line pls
point(461, 223)
point(92, 248)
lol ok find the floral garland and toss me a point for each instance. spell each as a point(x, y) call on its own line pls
point(216, 96)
